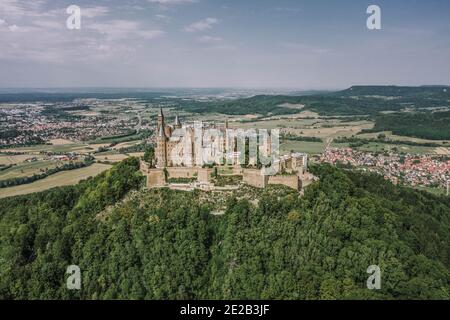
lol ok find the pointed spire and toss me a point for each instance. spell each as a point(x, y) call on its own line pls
point(160, 112)
point(162, 134)
point(177, 121)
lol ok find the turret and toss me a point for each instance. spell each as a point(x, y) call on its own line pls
point(161, 148)
point(160, 119)
point(177, 123)
point(161, 133)
point(161, 142)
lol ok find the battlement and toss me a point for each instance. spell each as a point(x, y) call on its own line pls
point(201, 178)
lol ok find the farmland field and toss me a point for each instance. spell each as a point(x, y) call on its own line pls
point(110, 156)
point(13, 159)
point(53, 148)
point(302, 146)
point(391, 136)
point(379, 147)
point(56, 180)
point(27, 169)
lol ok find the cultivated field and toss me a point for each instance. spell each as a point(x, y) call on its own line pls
point(309, 127)
point(63, 178)
point(392, 136)
point(12, 159)
point(126, 144)
point(112, 157)
point(59, 148)
point(443, 151)
point(27, 169)
point(302, 146)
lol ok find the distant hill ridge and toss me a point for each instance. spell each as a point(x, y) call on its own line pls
point(370, 100)
point(397, 90)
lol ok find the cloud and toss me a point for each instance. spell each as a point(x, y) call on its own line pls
point(34, 31)
point(13, 28)
point(171, 2)
point(11, 7)
point(163, 18)
point(124, 29)
point(49, 24)
point(201, 25)
point(288, 10)
point(209, 39)
point(305, 48)
point(214, 43)
point(17, 8)
point(36, 8)
point(93, 12)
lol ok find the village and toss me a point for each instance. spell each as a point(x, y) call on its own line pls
point(37, 123)
point(409, 169)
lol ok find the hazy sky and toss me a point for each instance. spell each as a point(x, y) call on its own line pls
point(223, 43)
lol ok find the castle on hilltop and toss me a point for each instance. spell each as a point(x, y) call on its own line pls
point(189, 156)
point(170, 150)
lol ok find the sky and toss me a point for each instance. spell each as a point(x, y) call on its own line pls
point(320, 44)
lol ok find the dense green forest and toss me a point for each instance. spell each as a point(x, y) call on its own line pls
point(164, 244)
point(426, 125)
point(260, 104)
point(325, 104)
point(432, 92)
point(357, 100)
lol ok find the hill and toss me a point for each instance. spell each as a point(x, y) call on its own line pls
point(426, 125)
point(164, 244)
point(357, 100)
point(439, 92)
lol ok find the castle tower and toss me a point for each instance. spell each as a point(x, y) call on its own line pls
point(177, 123)
point(160, 120)
point(161, 148)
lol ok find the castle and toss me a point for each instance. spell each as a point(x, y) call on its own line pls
point(190, 155)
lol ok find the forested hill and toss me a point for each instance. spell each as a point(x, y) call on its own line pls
point(164, 244)
point(357, 100)
point(438, 92)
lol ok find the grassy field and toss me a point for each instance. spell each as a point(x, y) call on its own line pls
point(136, 154)
point(380, 147)
point(118, 139)
point(63, 148)
point(332, 129)
point(21, 168)
point(110, 156)
point(391, 136)
point(278, 123)
point(56, 180)
point(13, 159)
point(302, 146)
point(27, 169)
point(317, 127)
point(126, 144)
point(443, 151)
